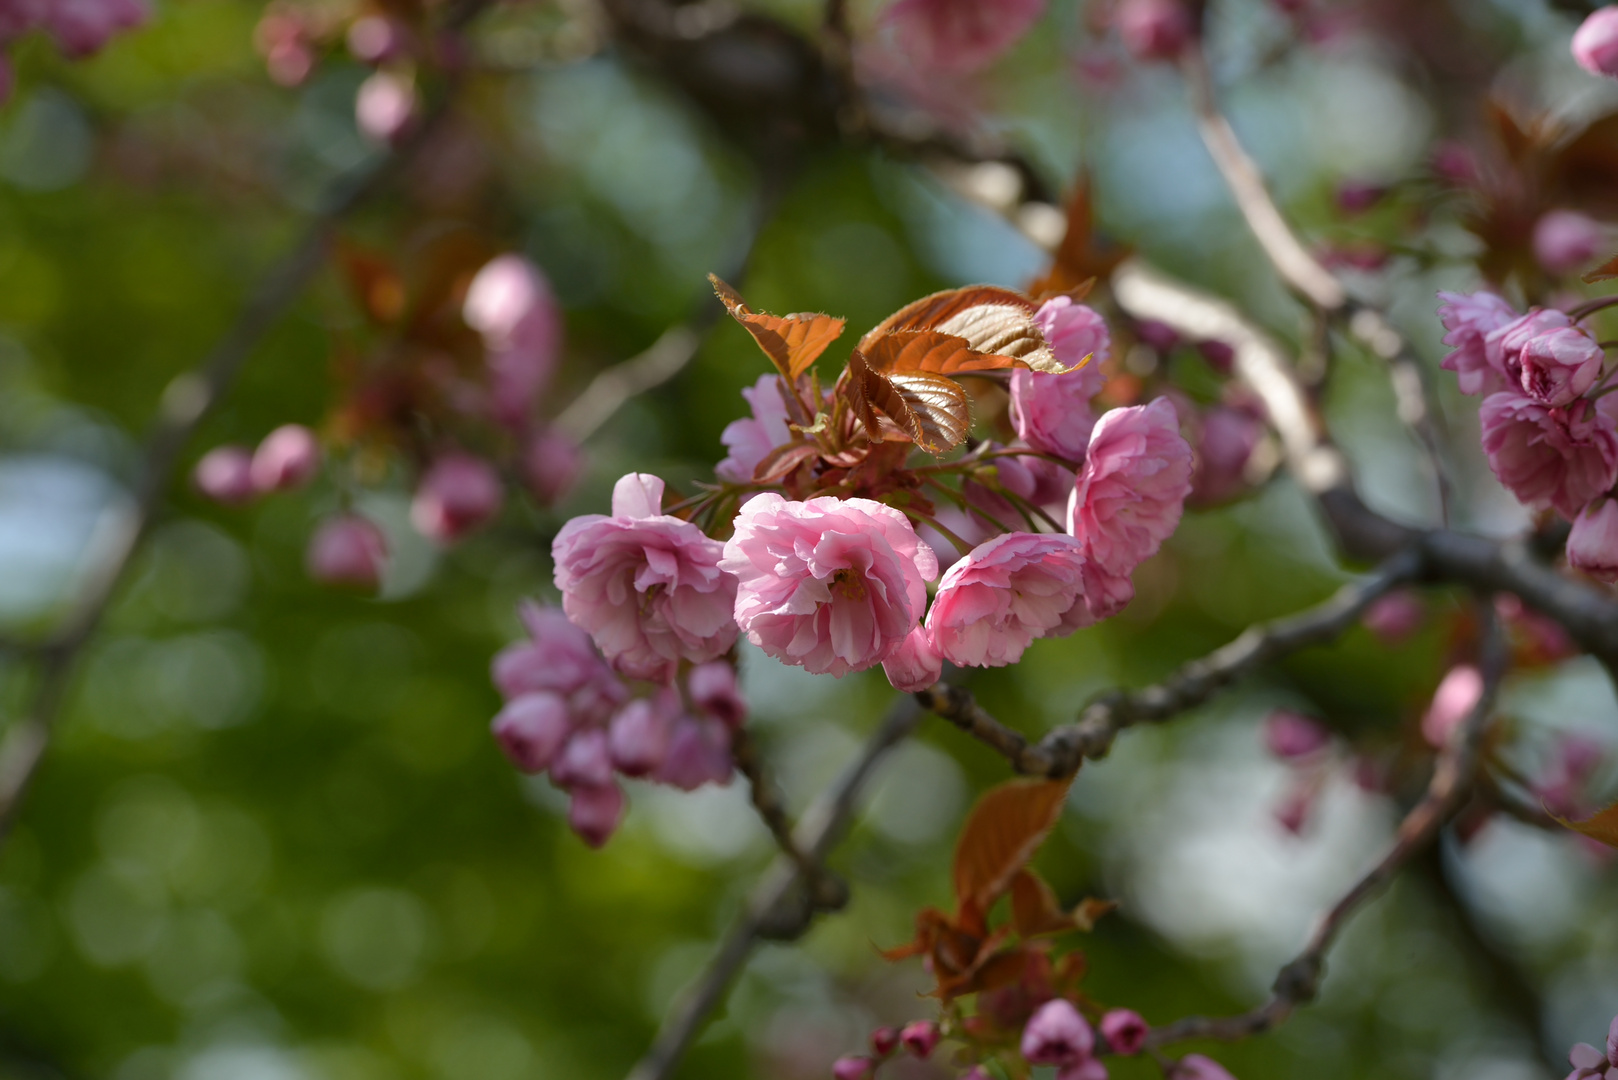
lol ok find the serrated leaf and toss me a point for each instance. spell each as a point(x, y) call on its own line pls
point(930, 410)
point(1605, 272)
point(1036, 911)
point(931, 350)
point(792, 342)
point(1602, 827)
point(991, 320)
point(782, 461)
point(1004, 829)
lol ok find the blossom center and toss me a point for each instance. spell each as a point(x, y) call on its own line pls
point(849, 583)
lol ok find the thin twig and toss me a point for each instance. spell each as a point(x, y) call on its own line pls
point(1063, 750)
point(663, 359)
point(769, 911)
point(185, 404)
point(827, 891)
point(1299, 981)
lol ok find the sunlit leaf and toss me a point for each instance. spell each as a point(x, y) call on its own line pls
point(930, 410)
point(1004, 829)
point(783, 460)
point(1079, 259)
point(930, 350)
point(991, 320)
point(1605, 272)
point(1602, 826)
point(792, 342)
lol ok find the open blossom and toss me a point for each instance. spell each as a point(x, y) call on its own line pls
point(1549, 457)
point(1057, 1035)
point(1595, 42)
point(1560, 365)
point(558, 658)
point(646, 585)
point(1128, 498)
point(749, 439)
point(457, 494)
point(961, 35)
point(1592, 546)
point(1003, 595)
point(829, 585)
point(1469, 319)
point(1504, 344)
point(915, 665)
point(1052, 413)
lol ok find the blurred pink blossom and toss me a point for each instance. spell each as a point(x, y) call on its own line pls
point(1155, 29)
point(1457, 695)
point(1291, 735)
point(1057, 1035)
point(532, 728)
point(960, 36)
point(1565, 240)
point(385, 106)
point(1592, 546)
point(288, 458)
point(1125, 1031)
point(1549, 457)
point(712, 688)
point(594, 812)
point(1396, 616)
point(511, 305)
point(1595, 42)
point(456, 495)
point(347, 549)
point(225, 475)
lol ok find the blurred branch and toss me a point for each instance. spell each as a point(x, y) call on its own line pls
point(1299, 981)
point(771, 911)
point(1063, 750)
point(826, 891)
point(186, 402)
point(663, 359)
point(1304, 274)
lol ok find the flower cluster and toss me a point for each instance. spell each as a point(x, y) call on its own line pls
point(570, 715)
point(1595, 1063)
point(1550, 433)
point(78, 27)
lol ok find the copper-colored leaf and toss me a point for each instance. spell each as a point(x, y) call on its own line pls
point(1602, 826)
point(792, 342)
point(931, 350)
point(1079, 258)
point(930, 410)
point(1089, 911)
point(782, 461)
point(992, 321)
point(379, 289)
point(1605, 272)
point(1035, 909)
point(1004, 829)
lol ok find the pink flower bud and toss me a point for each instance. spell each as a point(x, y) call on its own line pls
point(457, 494)
point(1125, 1031)
point(1220, 355)
point(1357, 196)
point(1085, 1069)
point(1396, 616)
point(698, 753)
point(1612, 1043)
point(639, 735)
point(1157, 335)
point(713, 689)
point(531, 729)
point(594, 812)
point(1595, 43)
point(385, 106)
point(1592, 546)
point(225, 475)
point(510, 303)
point(1560, 365)
point(1198, 1067)
point(920, 1037)
point(287, 458)
point(1453, 701)
point(884, 1041)
point(551, 463)
point(853, 1067)
point(1565, 240)
point(1455, 163)
point(373, 39)
point(1586, 1058)
point(1229, 437)
point(960, 37)
point(1057, 1035)
point(347, 550)
point(584, 761)
point(1291, 735)
point(1292, 813)
point(1155, 29)
point(916, 665)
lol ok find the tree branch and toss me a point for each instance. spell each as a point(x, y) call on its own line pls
point(770, 911)
point(1064, 749)
point(1299, 981)
point(826, 891)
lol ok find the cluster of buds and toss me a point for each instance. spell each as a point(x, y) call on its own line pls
point(78, 27)
point(570, 715)
point(917, 1039)
point(1594, 1063)
point(1549, 430)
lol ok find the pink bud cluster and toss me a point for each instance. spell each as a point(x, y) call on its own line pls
point(78, 27)
point(1596, 1063)
point(1550, 435)
point(569, 714)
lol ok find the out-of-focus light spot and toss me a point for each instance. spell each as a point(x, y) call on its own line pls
point(27, 937)
point(196, 949)
point(921, 794)
point(242, 1063)
point(378, 938)
point(1531, 887)
point(46, 143)
point(481, 1047)
point(116, 916)
point(195, 572)
point(706, 827)
point(51, 510)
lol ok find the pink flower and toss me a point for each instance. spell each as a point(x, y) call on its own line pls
point(884, 1041)
point(594, 812)
point(386, 105)
point(551, 463)
point(960, 35)
point(1155, 29)
point(638, 737)
point(347, 550)
point(1560, 365)
point(531, 730)
point(584, 760)
point(511, 305)
point(853, 1067)
point(1198, 1067)
point(1125, 1031)
point(82, 27)
point(1612, 1043)
point(713, 689)
point(1469, 319)
point(287, 458)
point(1086, 1069)
point(1588, 1062)
point(698, 753)
point(647, 586)
point(225, 475)
point(1057, 1035)
point(920, 1037)
point(1228, 438)
point(748, 440)
point(1592, 546)
point(1003, 595)
point(915, 665)
point(829, 585)
point(373, 39)
point(1595, 42)
point(1052, 413)
point(1503, 345)
point(1396, 616)
point(1457, 695)
point(457, 494)
point(1290, 735)
point(1128, 498)
point(1294, 809)
point(1545, 456)
point(1565, 240)
point(560, 658)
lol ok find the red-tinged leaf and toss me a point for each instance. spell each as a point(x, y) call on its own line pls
point(792, 342)
point(783, 460)
point(1605, 272)
point(1089, 911)
point(992, 320)
point(930, 410)
point(1004, 829)
point(931, 350)
point(1079, 259)
point(1602, 826)
point(1036, 911)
